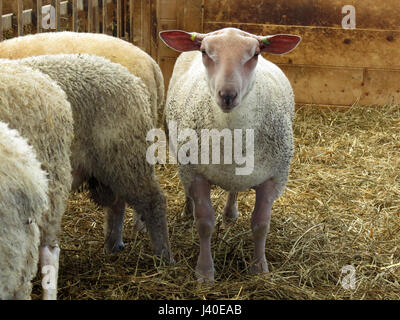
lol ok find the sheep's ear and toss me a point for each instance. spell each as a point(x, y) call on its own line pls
point(279, 43)
point(180, 40)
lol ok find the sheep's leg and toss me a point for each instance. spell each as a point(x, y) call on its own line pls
point(153, 207)
point(188, 209)
point(49, 262)
point(265, 195)
point(204, 212)
point(230, 211)
point(138, 223)
point(114, 226)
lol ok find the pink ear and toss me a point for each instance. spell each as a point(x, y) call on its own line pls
point(180, 40)
point(279, 44)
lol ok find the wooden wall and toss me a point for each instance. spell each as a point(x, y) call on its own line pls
point(332, 66)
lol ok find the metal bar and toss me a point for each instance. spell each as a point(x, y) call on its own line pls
point(104, 16)
point(74, 15)
point(20, 17)
point(131, 21)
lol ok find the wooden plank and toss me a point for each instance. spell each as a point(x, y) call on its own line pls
point(56, 5)
point(167, 66)
point(154, 40)
point(96, 19)
point(124, 19)
point(163, 50)
point(370, 14)
point(137, 23)
point(146, 26)
point(180, 14)
point(1, 20)
point(39, 15)
point(75, 20)
point(381, 87)
point(343, 86)
point(104, 16)
point(330, 85)
point(35, 21)
point(193, 15)
point(90, 16)
point(168, 9)
point(331, 46)
point(131, 20)
point(20, 18)
point(119, 14)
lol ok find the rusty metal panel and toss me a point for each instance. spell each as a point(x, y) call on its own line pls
point(332, 46)
point(370, 14)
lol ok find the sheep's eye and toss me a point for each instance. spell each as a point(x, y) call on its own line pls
point(256, 54)
point(203, 52)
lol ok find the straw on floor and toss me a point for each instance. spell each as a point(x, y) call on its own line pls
point(341, 208)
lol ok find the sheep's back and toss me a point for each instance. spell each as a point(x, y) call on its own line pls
point(111, 110)
point(36, 106)
point(138, 62)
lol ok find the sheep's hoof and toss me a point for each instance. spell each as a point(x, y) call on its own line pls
point(259, 267)
point(113, 247)
point(205, 276)
point(165, 255)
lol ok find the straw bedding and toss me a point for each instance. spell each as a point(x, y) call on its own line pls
point(341, 207)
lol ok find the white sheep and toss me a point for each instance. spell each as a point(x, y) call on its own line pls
point(23, 201)
point(229, 85)
point(112, 115)
point(36, 106)
point(138, 62)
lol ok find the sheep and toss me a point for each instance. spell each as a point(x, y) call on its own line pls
point(138, 62)
point(112, 115)
point(35, 106)
point(23, 201)
point(228, 85)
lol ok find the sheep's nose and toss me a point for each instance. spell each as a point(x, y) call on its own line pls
point(228, 97)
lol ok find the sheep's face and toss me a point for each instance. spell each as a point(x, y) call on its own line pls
point(230, 58)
